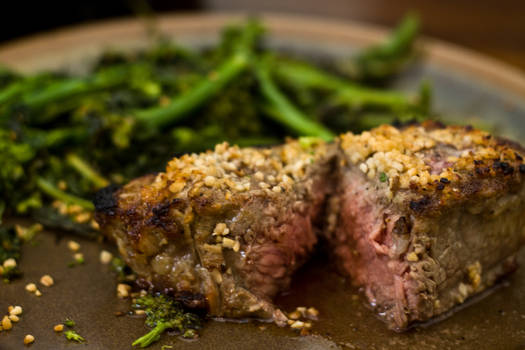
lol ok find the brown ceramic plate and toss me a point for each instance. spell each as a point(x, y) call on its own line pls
point(467, 87)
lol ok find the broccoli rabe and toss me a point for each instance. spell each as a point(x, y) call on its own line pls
point(163, 313)
point(388, 58)
point(13, 156)
point(71, 334)
point(74, 336)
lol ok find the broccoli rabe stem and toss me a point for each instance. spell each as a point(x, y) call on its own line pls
point(398, 43)
point(56, 92)
point(207, 87)
point(67, 88)
point(57, 137)
point(49, 189)
point(345, 91)
point(13, 90)
point(384, 60)
point(283, 111)
point(86, 170)
point(39, 139)
point(153, 335)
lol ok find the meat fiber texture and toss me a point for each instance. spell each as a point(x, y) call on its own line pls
point(427, 216)
point(223, 230)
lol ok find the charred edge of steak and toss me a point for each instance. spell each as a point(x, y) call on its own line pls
point(197, 302)
point(160, 213)
point(420, 205)
point(105, 200)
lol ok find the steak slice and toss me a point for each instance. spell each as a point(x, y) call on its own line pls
point(223, 229)
point(426, 216)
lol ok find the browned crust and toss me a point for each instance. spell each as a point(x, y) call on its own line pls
point(483, 167)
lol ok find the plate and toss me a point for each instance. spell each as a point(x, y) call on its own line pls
point(468, 88)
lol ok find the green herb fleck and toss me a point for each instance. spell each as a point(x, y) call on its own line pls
point(69, 322)
point(383, 177)
point(74, 336)
point(307, 142)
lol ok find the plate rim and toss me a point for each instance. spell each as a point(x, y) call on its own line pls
point(453, 56)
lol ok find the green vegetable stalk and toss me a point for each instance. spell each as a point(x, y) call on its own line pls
point(345, 92)
point(49, 189)
point(386, 59)
point(207, 87)
point(68, 88)
point(86, 170)
point(12, 91)
point(283, 111)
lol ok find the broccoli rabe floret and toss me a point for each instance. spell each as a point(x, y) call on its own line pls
point(163, 313)
point(13, 156)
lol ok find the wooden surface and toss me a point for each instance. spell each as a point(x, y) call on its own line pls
point(496, 28)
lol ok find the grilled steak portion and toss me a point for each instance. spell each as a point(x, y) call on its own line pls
point(426, 216)
point(422, 217)
point(223, 229)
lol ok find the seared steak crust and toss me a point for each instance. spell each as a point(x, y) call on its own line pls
point(422, 217)
point(231, 225)
point(428, 216)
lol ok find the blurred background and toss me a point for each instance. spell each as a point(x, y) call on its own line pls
point(494, 27)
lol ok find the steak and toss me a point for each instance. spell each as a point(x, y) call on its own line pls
point(421, 217)
point(224, 230)
point(426, 216)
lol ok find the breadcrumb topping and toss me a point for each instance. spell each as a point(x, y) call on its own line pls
point(230, 169)
point(28, 339)
point(409, 157)
point(224, 177)
point(47, 280)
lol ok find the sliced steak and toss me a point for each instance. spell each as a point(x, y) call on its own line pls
point(425, 217)
point(421, 217)
point(223, 229)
